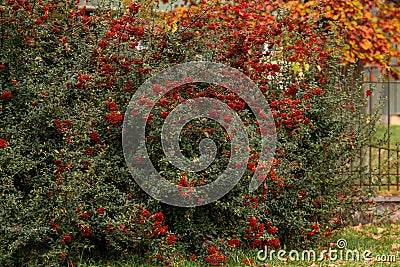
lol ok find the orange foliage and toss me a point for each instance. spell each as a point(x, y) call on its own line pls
point(371, 29)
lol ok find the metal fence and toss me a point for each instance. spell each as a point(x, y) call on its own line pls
point(383, 152)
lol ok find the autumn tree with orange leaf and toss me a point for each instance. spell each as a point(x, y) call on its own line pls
point(371, 29)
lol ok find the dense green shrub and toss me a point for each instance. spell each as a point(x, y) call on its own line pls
point(66, 79)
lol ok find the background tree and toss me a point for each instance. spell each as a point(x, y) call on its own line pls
point(371, 29)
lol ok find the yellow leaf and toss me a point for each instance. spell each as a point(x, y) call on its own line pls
point(381, 36)
point(365, 44)
point(295, 67)
point(357, 4)
point(174, 27)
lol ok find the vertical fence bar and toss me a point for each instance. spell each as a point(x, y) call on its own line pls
point(362, 161)
point(389, 132)
point(379, 168)
point(397, 168)
point(370, 138)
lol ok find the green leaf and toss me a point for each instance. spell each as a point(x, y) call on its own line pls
point(306, 66)
point(295, 67)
